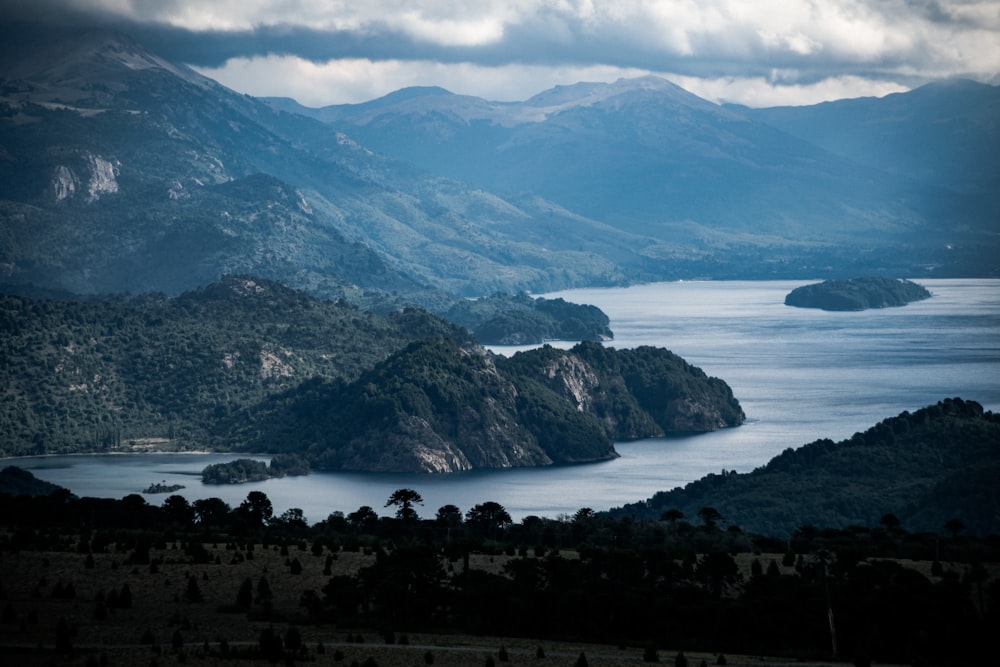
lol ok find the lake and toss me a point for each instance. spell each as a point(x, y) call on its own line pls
point(800, 375)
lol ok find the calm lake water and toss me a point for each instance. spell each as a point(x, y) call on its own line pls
point(800, 375)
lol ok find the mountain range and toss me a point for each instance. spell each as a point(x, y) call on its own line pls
point(123, 172)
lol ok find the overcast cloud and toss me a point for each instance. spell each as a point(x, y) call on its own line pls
point(756, 52)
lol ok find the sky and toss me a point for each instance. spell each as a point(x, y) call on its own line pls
point(753, 52)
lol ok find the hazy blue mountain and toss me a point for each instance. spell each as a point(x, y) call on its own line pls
point(122, 171)
point(944, 133)
point(713, 187)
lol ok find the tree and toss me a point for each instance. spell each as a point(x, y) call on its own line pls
point(710, 517)
point(122, 600)
point(211, 512)
point(244, 597)
point(717, 569)
point(292, 518)
point(672, 515)
point(449, 515)
point(264, 594)
point(488, 517)
point(177, 510)
point(193, 592)
point(403, 500)
point(256, 509)
point(364, 517)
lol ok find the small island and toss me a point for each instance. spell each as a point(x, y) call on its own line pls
point(241, 471)
point(162, 487)
point(857, 294)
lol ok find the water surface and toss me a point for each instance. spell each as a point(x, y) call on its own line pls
point(800, 374)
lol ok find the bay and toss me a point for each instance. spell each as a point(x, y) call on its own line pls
point(800, 375)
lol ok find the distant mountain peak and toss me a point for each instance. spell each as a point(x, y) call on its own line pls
point(562, 98)
point(412, 92)
point(66, 66)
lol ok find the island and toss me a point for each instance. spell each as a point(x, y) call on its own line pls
point(162, 487)
point(857, 294)
point(241, 471)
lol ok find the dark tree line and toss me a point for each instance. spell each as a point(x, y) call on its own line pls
point(655, 583)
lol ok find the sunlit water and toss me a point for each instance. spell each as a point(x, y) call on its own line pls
point(800, 374)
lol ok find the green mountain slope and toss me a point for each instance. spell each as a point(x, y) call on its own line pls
point(943, 132)
point(79, 375)
point(925, 468)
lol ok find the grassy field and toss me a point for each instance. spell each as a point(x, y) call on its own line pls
point(164, 627)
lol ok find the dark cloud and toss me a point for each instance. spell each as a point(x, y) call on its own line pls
point(897, 40)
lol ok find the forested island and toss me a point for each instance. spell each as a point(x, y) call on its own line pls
point(241, 471)
point(857, 294)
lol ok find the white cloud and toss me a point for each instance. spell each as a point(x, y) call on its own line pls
point(761, 92)
point(360, 80)
point(502, 48)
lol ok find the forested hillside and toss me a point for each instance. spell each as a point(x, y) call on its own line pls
point(437, 406)
point(96, 374)
point(249, 364)
point(924, 468)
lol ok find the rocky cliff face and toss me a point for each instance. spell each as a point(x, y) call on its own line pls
point(99, 175)
point(574, 380)
point(695, 415)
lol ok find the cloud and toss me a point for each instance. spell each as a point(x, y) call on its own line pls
point(835, 45)
point(352, 80)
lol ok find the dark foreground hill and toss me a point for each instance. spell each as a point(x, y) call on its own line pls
point(250, 364)
point(927, 468)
